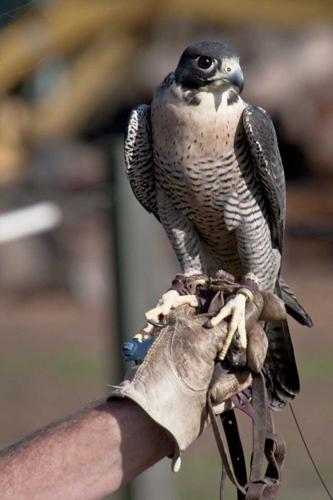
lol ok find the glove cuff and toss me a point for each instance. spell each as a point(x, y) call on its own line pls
point(166, 395)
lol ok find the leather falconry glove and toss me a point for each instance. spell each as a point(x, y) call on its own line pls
point(172, 382)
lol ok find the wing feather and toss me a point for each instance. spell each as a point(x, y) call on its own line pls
point(139, 158)
point(265, 154)
point(280, 365)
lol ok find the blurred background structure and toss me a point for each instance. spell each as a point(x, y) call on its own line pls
point(76, 248)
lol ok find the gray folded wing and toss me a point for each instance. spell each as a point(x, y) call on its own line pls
point(266, 158)
point(139, 158)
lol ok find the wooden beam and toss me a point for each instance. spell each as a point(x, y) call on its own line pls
point(90, 81)
point(272, 12)
point(64, 26)
point(61, 28)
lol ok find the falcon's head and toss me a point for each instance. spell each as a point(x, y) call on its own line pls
point(209, 66)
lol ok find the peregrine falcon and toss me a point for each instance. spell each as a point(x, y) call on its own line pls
point(206, 163)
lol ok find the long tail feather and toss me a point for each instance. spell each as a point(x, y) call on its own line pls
point(293, 307)
point(280, 365)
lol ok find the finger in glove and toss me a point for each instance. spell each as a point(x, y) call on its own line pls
point(257, 345)
point(226, 384)
point(273, 307)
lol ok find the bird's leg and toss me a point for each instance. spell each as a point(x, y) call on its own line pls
point(235, 309)
point(181, 233)
point(170, 300)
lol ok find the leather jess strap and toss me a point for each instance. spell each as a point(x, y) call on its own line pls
point(230, 426)
point(223, 454)
point(266, 445)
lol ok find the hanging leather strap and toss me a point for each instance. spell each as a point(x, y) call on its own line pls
point(259, 402)
point(262, 485)
point(236, 452)
point(223, 454)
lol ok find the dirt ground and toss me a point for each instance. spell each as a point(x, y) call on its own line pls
point(53, 361)
point(55, 357)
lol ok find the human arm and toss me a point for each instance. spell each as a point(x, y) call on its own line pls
point(94, 452)
point(87, 455)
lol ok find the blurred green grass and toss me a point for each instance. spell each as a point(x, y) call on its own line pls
point(70, 367)
point(315, 366)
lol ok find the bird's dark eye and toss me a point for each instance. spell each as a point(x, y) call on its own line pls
point(204, 62)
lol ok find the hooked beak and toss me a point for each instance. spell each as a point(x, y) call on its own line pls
point(236, 79)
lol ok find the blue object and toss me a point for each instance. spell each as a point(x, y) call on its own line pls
point(134, 350)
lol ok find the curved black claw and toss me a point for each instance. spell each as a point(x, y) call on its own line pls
point(158, 325)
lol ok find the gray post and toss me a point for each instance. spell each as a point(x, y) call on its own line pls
point(144, 267)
